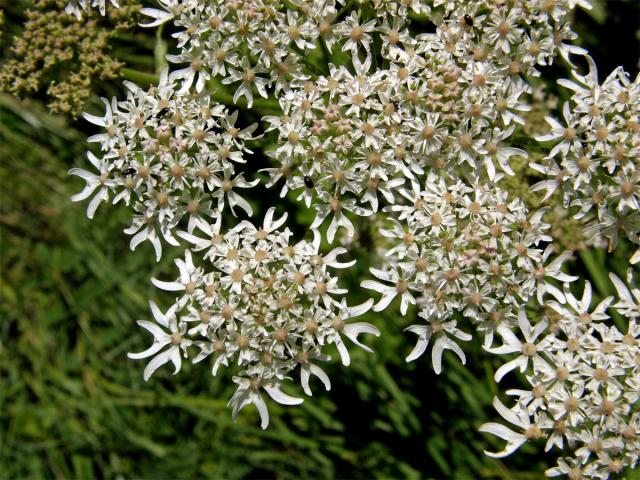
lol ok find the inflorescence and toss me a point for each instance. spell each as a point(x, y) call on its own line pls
point(411, 113)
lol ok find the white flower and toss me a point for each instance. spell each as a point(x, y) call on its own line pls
point(93, 181)
point(174, 339)
point(438, 330)
point(248, 392)
point(399, 286)
point(518, 417)
point(527, 349)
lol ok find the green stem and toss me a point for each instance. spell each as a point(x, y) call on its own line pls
point(160, 50)
point(140, 78)
point(596, 272)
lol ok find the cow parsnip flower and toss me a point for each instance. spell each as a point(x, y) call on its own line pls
point(583, 390)
point(419, 130)
point(172, 156)
point(595, 159)
point(259, 303)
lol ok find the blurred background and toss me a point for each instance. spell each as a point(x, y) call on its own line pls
point(73, 406)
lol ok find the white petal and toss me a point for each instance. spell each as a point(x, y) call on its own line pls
point(418, 350)
point(281, 397)
point(158, 315)
point(354, 329)
point(324, 378)
point(155, 363)
point(262, 410)
point(168, 286)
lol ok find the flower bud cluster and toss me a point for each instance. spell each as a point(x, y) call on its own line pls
point(174, 154)
point(459, 252)
point(595, 162)
point(259, 302)
point(583, 377)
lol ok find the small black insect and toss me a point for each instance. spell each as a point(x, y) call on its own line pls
point(468, 20)
point(308, 182)
point(163, 112)
point(129, 172)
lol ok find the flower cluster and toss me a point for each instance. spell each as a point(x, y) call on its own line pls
point(595, 161)
point(413, 111)
point(459, 252)
point(174, 154)
point(260, 303)
point(583, 378)
point(448, 100)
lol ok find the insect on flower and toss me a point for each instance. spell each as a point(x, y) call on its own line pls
point(308, 181)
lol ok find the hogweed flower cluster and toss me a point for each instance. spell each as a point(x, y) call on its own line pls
point(368, 115)
point(595, 161)
point(463, 251)
point(583, 378)
point(261, 303)
point(174, 154)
